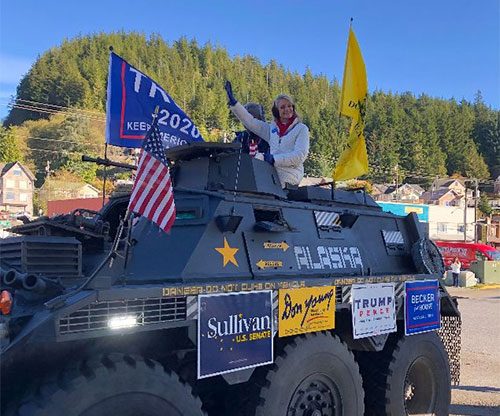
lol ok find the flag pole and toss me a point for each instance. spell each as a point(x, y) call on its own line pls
point(105, 166)
point(128, 217)
point(339, 130)
point(105, 174)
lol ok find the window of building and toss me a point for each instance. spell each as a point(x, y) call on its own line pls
point(23, 197)
point(10, 196)
point(442, 228)
point(10, 183)
point(17, 172)
point(23, 185)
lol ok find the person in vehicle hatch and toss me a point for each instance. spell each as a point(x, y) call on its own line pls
point(250, 142)
point(287, 136)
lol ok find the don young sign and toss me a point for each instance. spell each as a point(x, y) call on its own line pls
point(373, 310)
point(234, 332)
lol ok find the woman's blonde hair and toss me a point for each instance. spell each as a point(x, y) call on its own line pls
point(275, 111)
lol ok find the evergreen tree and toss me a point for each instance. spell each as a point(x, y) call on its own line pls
point(423, 136)
point(9, 147)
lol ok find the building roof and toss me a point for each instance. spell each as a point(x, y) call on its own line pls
point(389, 188)
point(438, 194)
point(446, 182)
point(67, 186)
point(5, 167)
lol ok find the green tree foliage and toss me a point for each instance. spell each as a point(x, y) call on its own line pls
point(60, 141)
point(9, 147)
point(422, 136)
point(483, 205)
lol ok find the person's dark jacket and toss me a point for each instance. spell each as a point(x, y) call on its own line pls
point(244, 137)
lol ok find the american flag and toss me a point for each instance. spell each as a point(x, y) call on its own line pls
point(152, 194)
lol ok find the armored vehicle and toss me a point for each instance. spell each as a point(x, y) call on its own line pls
point(303, 301)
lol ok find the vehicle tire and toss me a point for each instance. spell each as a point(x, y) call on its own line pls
point(113, 384)
point(410, 377)
point(427, 257)
point(314, 375)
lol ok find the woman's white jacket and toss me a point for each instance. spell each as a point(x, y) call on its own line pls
point(289, 151)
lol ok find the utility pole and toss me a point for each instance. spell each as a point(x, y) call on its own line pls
point(47, 177)
point(465, 213)
point(476, 196)
point(397, 180)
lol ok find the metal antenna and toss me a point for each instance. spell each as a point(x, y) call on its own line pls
point(237, 178)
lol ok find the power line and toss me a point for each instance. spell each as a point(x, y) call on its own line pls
point(75, 109)
point(59, 141)
point(45, 110)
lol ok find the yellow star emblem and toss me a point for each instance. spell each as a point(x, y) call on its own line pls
point(228, 253)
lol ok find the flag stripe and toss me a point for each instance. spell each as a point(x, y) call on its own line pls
point(153, 170)
point(159, 195)
point(162, 202)
point(139, 169)
point(163, 213)
point(152, 194)
point(156, 189)
point(169, 216)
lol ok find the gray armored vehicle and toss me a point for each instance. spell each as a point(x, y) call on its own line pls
point(301, 301)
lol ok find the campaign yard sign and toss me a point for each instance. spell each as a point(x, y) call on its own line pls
point(235, 331)
point(131, 102)
point(307, 309)
point(373, 309)
point(422, 306)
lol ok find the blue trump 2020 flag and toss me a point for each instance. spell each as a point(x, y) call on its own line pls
point(132, 99)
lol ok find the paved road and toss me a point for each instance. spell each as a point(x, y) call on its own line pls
point(479, 391)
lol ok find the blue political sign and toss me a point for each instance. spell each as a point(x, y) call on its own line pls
point(235, 331)
point(131, 102)
point(422, 306)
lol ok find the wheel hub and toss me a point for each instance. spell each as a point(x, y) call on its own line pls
point(317, 395)
point(420, 388)
point(409, 390)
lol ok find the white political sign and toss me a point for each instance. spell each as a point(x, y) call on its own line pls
point(373, 309)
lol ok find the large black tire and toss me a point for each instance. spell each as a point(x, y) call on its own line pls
point(314, 375)
point(427, 257)
point(410, 377)
point(112, 384)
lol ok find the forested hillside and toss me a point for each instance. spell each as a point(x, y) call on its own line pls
point(422, 136)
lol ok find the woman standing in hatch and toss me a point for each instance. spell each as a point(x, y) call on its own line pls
point(287, 136)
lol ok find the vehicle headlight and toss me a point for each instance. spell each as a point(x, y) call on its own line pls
point(124, 321)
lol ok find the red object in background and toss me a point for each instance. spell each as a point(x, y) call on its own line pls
point(65, 206)
point(5, 302)
point(466, 252)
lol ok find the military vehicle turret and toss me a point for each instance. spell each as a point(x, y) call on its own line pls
point(261, 300)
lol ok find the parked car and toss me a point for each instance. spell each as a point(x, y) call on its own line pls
point(467, 252)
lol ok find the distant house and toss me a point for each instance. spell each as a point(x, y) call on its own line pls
point(16, 188)
point(443, 197)
point(496, 186)
point(57, 190)
point(456, 185)
point(406, 192)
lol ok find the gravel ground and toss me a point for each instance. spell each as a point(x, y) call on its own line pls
point(479, 391)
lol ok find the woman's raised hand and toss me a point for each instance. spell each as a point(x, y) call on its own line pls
point(230, 96)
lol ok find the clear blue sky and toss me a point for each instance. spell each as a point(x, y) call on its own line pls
point(444, 48)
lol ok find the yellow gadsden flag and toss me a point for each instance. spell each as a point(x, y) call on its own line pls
point(353, 161)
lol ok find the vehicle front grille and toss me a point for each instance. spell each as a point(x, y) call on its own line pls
point(146, 311)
